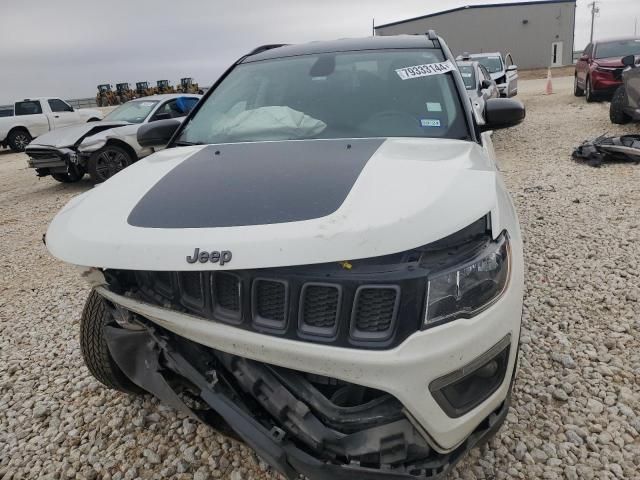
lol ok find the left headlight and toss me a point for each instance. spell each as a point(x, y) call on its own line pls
point(465, 290)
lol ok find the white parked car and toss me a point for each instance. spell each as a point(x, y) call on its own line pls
point(35, 116)
point(501, 69)
point(104, 148)
point(479, 84)
point(325, 255)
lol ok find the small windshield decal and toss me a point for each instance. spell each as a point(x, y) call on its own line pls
point(430, 122)
point(425, 70)
point(434, 107)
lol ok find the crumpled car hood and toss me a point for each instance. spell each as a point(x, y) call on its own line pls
point(70, 136)
point(278, 203)
point(613, 62)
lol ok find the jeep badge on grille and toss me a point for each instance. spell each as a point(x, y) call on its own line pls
point(214, 256)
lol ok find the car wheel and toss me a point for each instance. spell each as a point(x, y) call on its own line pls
point(616, 109)
point(106, 162)
point(74, 174)
point(18, 140)
point(588, 91)
point(96, 315)
point(577, 91)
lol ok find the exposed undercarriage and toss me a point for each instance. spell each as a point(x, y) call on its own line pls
point(300, 423)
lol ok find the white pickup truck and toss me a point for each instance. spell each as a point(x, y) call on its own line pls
point(35, 116)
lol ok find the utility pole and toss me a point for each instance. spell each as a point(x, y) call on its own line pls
point(594, 11)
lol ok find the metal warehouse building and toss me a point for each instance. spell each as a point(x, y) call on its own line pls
point(537, 33)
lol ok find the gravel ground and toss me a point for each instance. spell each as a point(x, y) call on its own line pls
point(576, 406)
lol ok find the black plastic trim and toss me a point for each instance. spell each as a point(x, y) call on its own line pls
point(220, 312)
point(436, 386)
point(267, 323)
point(187, 300)
point(320, 331)
point(360, 335)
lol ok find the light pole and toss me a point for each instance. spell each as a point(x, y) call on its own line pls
point(594, 10)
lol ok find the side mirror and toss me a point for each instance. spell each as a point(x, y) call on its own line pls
point(502, 113)
point(157, 134)
point(485, 84)
point(161, 116)
point(629, 61)
point(512, 68)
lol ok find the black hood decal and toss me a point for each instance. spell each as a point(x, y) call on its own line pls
point(259, 183)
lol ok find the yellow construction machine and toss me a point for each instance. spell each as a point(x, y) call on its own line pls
point(124, 92)
point(144, 90)
point(163, 86)
point(106, 96)
point(187, 85)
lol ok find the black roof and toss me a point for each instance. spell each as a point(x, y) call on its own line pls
point(469, 7)
point(346, 45)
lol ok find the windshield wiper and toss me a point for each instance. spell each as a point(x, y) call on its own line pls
point(184, 143)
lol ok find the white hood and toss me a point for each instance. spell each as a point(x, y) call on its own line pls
point(71, 135)
point(409, 192)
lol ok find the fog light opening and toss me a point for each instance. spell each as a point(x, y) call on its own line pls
point(462, 390)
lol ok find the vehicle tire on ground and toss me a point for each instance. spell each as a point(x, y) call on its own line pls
point(106, 162)
point(616, 109)
point(577, 91)
point(95, 351)
point(74, 174)
point(18, 140)
point(588, 92)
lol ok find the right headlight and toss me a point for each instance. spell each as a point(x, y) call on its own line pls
point(465, 290)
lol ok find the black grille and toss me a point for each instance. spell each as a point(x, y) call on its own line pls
point(319, 309)
point(344, 312)
point(225, 290)
point(270, 303)
point(374, 312)
point(44, 154)
point(192, 289)
point(163, 283)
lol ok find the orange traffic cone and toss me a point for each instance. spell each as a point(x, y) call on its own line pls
point(549, 87)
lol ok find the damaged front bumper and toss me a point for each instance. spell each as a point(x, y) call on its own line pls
point(374, 440)
point(48, 160)
point(329, 412)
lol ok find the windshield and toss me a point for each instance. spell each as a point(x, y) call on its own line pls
point(621, 48)
point(133, 112)
point(492, 63)
point(334, 95)
point(468, 75)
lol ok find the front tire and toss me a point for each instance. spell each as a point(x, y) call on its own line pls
point(577, 91)
point(106, 162)
point(18, 140)
point(74, 174)
point(95, 351)
point(588, 91)
point(616, 109)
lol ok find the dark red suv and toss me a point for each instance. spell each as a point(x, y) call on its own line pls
point(599, 68)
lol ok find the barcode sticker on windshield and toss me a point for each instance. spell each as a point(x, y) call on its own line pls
point(425, 70)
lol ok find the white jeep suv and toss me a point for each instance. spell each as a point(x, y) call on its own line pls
point(324, 256)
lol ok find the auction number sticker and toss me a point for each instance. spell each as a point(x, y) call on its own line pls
point(425, 70)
